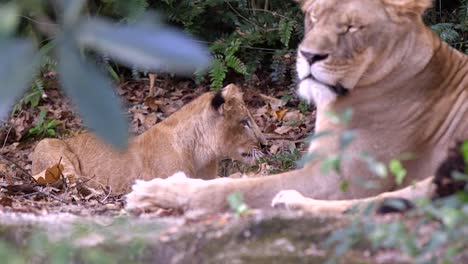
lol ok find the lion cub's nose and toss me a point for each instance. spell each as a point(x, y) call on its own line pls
point(313, 57)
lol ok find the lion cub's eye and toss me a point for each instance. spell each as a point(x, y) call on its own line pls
point(352, 28)
point(313, 19)
point(245, 122)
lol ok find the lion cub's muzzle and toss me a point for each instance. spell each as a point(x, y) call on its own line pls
point(251, 156)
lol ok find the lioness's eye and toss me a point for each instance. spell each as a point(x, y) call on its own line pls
point(245, 122)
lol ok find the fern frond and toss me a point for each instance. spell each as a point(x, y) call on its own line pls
point(286, 28)
point(218, 73)
point(233, 47)
point(236, 64)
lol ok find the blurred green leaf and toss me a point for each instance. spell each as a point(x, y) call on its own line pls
point(9, 19)
point(346, 138)
point(331, 163)
point(236, 202)
point(397, 169)
point(71, 11)
point(17, 62)
point(147, 47)
point(376, 167)
point(93, 94)
point(464, 151)
point(344, 185)
point(318, 135)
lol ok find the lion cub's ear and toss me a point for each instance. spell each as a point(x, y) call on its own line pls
point(224, 99)
point(231, 91)
point(217, 101)
point(400, 10)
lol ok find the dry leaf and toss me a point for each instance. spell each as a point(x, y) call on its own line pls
point(274, 103)
point(152, 103)
point(292, 116)
point(4, 171)
point(150, 120)
point(6, 201)
point(270, 128)
point(274, 148)
point(50, 175)
point(283, 130)
point(279, 114)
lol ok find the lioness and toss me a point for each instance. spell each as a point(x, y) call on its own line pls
point(409, 93)
point(193, 140)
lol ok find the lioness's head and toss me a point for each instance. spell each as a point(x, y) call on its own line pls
point(239, 136)
point(353, 42)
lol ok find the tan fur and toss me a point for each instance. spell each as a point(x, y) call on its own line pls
point(408, 91)
point(192, 140)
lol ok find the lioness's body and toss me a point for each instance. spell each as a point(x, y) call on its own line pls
point(408, 91)
point(192, 140)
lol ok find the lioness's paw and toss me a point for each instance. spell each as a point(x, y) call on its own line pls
point(173, 192)
point(288, 199)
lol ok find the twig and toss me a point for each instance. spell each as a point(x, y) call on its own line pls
point(241, 16)
point(61, 174)
point(107, 196)
point(42, 193)
point(6, 137)
point(20, 167)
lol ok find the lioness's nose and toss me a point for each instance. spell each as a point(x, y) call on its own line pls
point(313, 57)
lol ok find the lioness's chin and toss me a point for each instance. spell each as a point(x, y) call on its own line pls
point(311, 90)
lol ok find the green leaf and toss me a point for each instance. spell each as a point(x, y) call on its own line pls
point(51, 123)
point(346, 138)
point(286, 27)
point(376, 167)
point(464, 152)
point(318, 135)
point(71, 11)
point(51, 132)
point(147, 47)
point(331, 163)
point(397, 169)
point(218, 73)
point(236, 202)
point(344, 185)
point(41, 117)
point(93, 94)
point(9, 19)
point(341, 118)
point(17, 61)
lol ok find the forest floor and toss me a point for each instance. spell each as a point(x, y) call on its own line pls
point(283, 119)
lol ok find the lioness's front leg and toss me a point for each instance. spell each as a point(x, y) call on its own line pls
point(210, 195)
point(293, 200)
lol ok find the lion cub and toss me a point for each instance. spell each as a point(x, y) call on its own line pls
point(192, 140)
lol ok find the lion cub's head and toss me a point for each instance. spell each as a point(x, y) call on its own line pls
point(237, 133)
point(354, 42)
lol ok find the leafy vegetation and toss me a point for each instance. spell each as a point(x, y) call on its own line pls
point(43, 127)
point(145, 45)
point(450, 23)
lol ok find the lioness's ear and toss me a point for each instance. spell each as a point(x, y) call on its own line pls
point(400, 10)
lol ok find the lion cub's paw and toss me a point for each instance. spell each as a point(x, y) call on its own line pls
point(173, 192)
point(288, 199)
